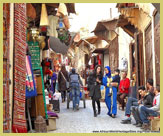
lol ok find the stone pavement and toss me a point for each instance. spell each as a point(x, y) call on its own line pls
point(83, 121)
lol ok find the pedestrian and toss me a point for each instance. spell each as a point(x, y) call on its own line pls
point(145, 112)
point(111, 84)
point(75, 82)
point(94, 84)
point(62, 79)
point(53, 81)
point(124, 89)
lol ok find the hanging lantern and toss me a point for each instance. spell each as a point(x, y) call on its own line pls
point(44, 16)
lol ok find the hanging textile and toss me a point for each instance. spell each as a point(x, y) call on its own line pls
point(30, 82)
point(6, 62)
point(20, 19)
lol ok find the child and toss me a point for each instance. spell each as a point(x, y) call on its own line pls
point(115, 79)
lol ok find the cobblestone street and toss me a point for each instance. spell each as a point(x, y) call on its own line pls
point(83, 121)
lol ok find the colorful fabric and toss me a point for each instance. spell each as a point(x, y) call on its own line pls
point(20, 24)
point(29, 78)
point(30, 81)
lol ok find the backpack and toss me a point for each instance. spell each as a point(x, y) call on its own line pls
point(74, 78)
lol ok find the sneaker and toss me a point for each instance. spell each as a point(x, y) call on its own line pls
point(77, 107)
point(139, 125)
point(135, 124)
point(128, 118)
point(127, 121)
point(146, 126)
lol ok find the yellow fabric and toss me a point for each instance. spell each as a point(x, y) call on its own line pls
point(109, 80)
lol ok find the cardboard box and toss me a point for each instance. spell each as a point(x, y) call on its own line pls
point(52, 124)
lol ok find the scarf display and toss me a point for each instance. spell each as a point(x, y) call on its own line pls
point(20, 24)
point(30, 82)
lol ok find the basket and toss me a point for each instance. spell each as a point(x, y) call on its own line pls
point(35, 53)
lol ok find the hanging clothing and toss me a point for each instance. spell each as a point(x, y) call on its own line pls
point(52, 29)
point(30, 82)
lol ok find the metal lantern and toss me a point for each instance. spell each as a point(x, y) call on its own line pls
point(40, 125)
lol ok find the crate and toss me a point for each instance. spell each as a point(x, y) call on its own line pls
point(35, 53)
point(155, 123)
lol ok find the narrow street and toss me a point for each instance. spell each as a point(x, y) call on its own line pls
point(83, 121)
point(102, 51)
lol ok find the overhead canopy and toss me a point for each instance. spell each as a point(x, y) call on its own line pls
point(106, 29)
point(91, 40)
point(135, 14)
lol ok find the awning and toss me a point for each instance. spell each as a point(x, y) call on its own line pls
point(91, 40)
point(107, 29)
point(136, 14)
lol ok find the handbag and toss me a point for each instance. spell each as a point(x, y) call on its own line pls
point(67, 83)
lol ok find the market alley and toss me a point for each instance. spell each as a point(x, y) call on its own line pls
point(83, 121)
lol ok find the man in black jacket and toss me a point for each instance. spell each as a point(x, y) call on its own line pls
point(147, 101)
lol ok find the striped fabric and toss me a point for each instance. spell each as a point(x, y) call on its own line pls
point(19, 118)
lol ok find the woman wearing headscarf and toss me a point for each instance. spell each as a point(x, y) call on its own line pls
point(108, 82)
point(94, 84)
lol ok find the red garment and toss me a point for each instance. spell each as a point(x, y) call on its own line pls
point(154, 101)
point(126, 84)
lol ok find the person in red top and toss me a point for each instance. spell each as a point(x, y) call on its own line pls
point(123, 89)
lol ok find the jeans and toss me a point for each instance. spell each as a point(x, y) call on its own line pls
point(75, 94)
point(145, 112)
point(136, 115)
point(131, 102)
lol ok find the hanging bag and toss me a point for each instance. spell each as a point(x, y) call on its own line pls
point(67, 83)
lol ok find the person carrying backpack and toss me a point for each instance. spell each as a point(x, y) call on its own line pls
point(75, 83)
